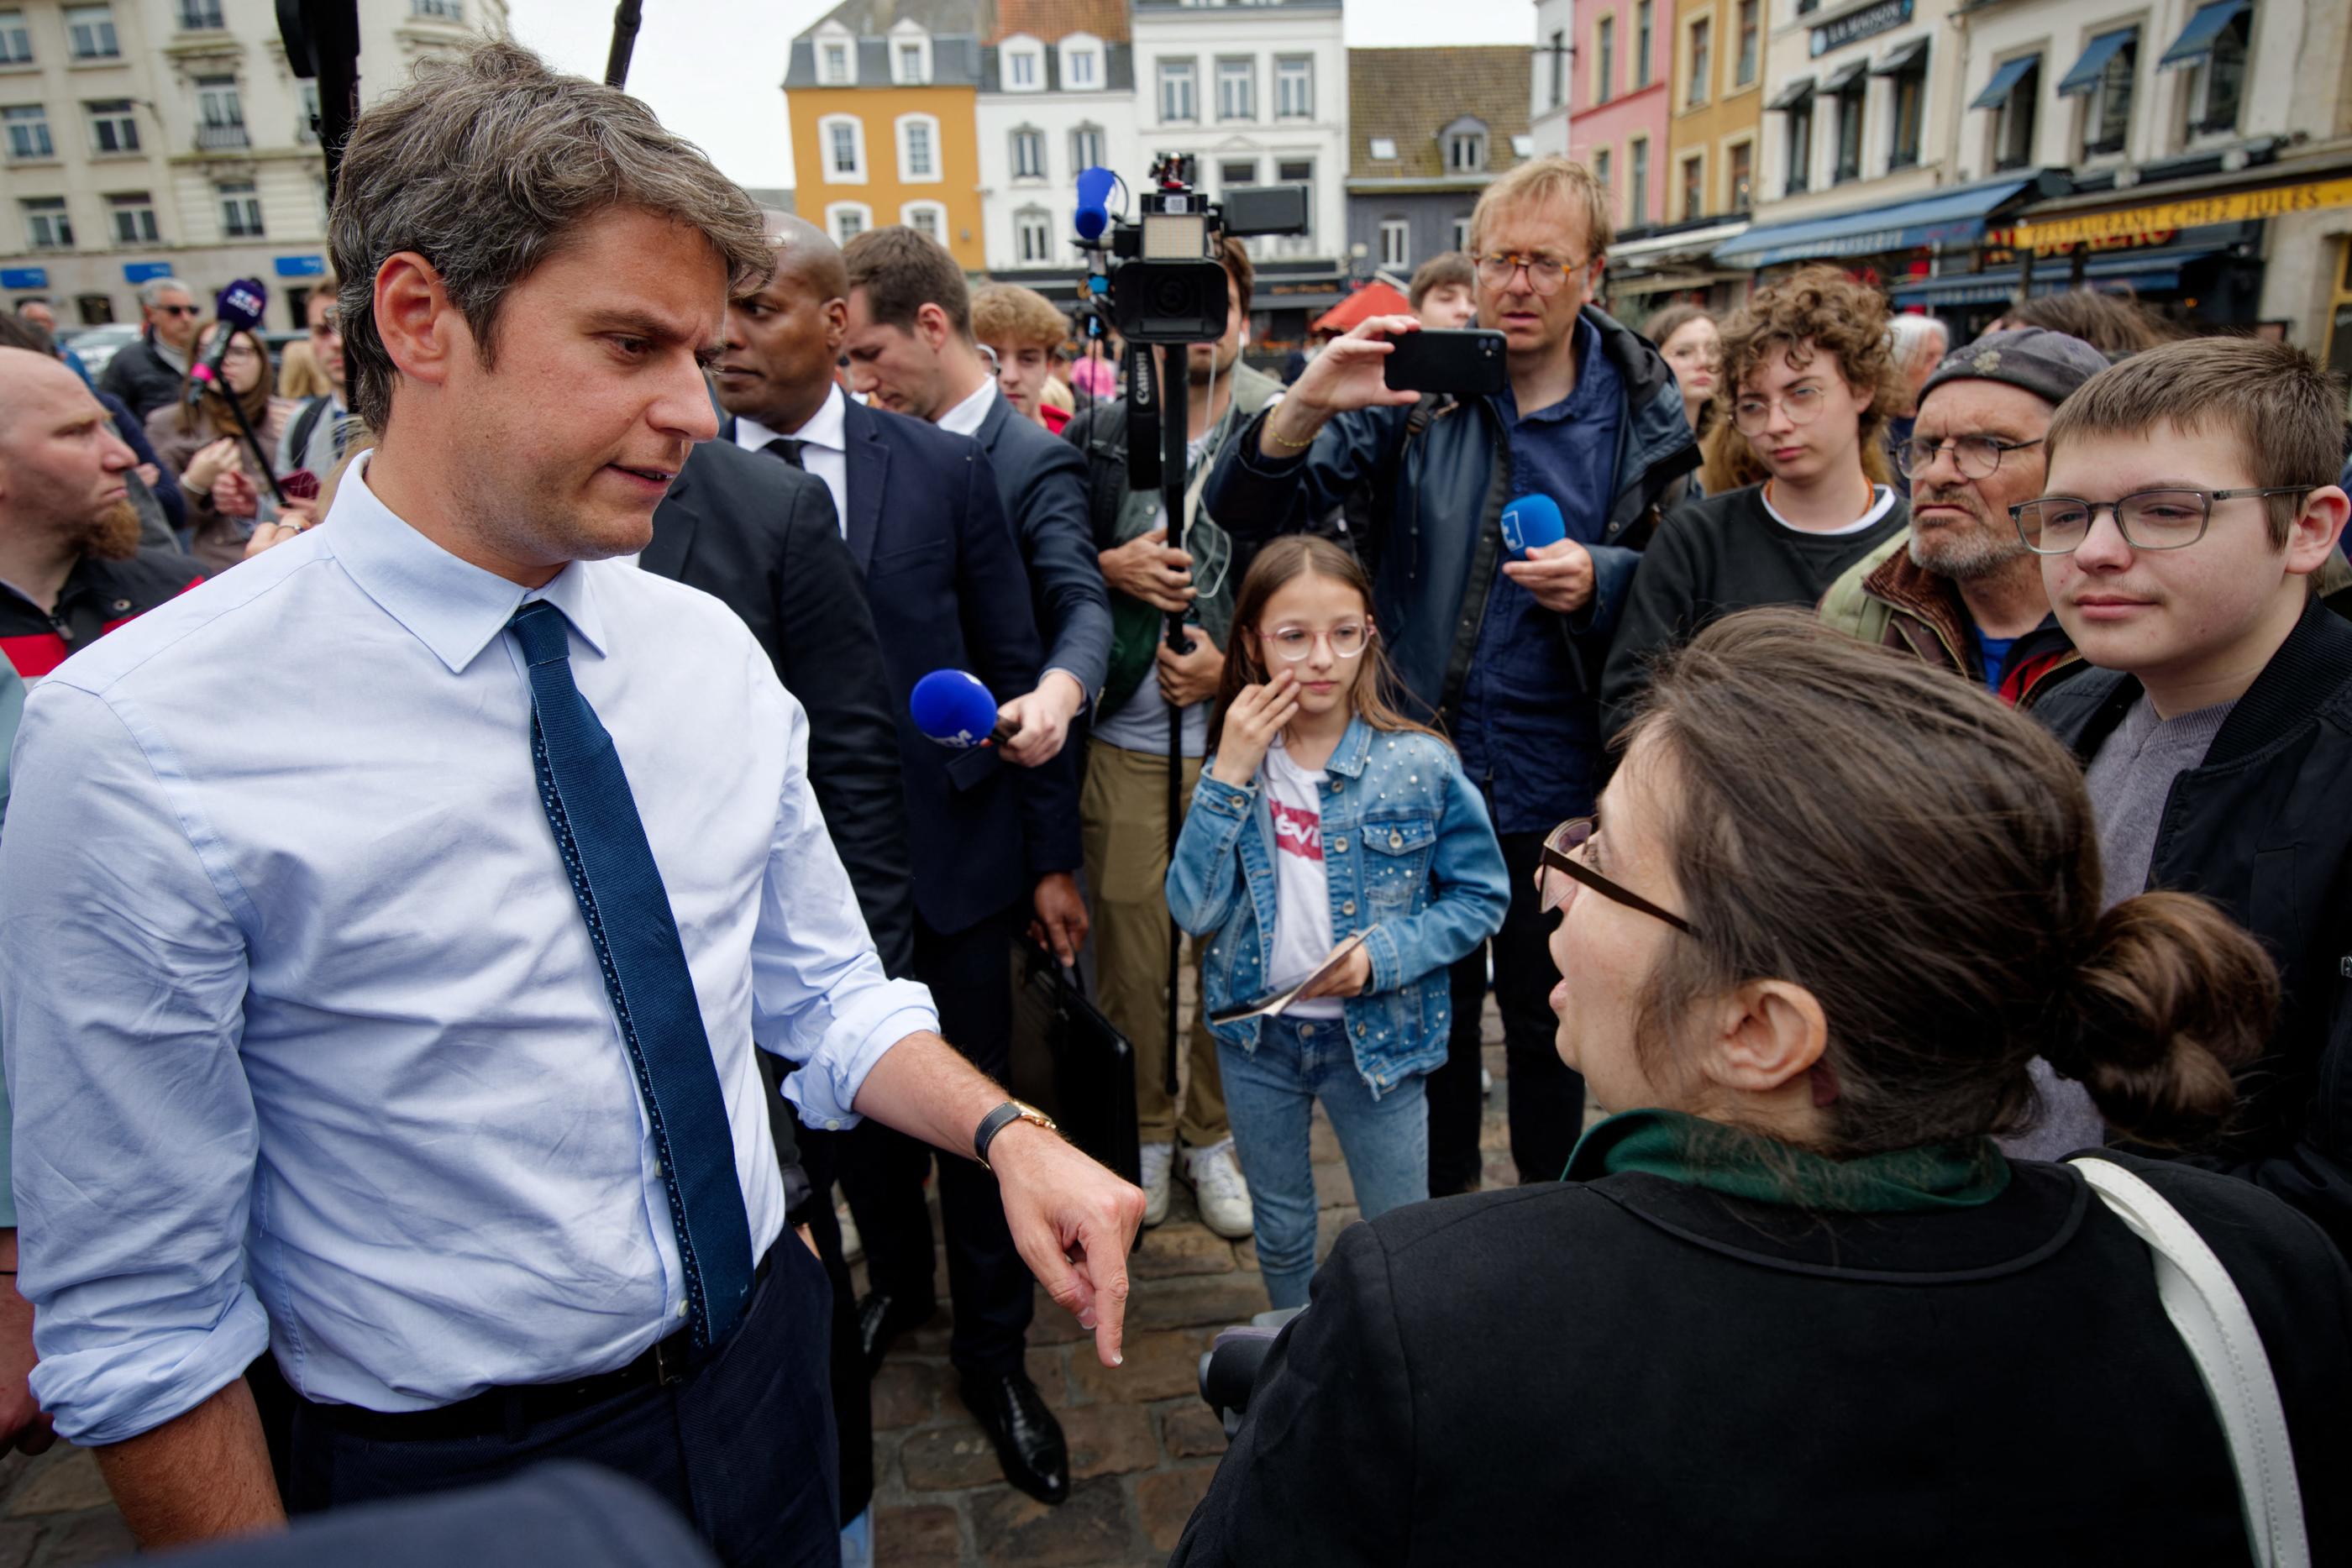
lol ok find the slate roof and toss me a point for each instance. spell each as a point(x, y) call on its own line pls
point(1409, 96)
point(1119, 67)
point(955, 27)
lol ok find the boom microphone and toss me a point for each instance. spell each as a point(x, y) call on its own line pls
point(1530, 522)
point(954, 708)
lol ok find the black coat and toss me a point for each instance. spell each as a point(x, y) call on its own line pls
point(1633, 1370)
point(945, 580)
point(138, 375)
point(2261, 828)
point(760, 536)
point(1042, 480)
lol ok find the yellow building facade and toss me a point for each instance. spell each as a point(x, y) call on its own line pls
point(883, 129)
point(1714, 130)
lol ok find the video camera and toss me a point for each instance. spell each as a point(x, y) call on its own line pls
point(1155, 278)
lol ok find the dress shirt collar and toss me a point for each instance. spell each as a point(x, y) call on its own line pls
point(452, 606)
point(827, 427)
point(965, 417)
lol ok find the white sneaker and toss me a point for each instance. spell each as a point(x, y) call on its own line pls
point(1217, 1183)
point(1158, 1162)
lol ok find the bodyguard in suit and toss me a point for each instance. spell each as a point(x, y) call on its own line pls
point(438, 945)
point(992, 843)
point(760, 536)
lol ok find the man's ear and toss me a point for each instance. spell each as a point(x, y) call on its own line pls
point(836, 325)
point(421, 330)
point(2318, 524)
point(932, 326)
point(1769, 1033)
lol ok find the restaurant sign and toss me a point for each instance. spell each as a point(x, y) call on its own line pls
point(2058, 233)
point(1856, 25)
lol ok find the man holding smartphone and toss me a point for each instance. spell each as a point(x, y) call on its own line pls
point(1507, 653)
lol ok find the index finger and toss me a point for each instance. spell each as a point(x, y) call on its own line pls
point(1100, 1262)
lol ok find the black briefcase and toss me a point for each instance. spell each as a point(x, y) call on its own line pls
point(1092, 1064)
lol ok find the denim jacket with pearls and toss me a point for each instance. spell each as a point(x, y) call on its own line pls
point(1407, 846)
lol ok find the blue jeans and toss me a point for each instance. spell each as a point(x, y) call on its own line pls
point(1269, 1095)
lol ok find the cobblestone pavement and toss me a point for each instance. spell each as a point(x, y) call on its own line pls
point(1142, 1445)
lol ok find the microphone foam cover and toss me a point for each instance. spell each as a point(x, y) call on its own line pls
point(240, 305)
point(954, 708)
point(1095, 187)
point(1530, 522)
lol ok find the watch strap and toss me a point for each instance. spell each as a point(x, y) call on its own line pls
point(996, 1120)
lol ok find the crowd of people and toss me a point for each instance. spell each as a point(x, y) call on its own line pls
point(420, 1045)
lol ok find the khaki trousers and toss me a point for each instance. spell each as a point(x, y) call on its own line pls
point(1123, 816)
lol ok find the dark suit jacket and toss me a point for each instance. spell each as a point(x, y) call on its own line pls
point(1042, 480)
point(759, 535)
point(945, 581)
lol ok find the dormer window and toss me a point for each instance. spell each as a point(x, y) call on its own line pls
point(1081, 63)
point(911, 55)
point(1384, 148)
point(1465, 151)
point(1021, 63)
point(836, 60)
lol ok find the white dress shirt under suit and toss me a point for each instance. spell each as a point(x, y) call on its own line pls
point(308, 1040)
point(824, 447)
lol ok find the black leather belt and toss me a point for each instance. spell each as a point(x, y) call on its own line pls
point(513, 1411)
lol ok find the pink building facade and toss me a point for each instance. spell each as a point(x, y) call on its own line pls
point(1620, 98)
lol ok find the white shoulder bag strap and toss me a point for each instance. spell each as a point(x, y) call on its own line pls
point(2204, 1305)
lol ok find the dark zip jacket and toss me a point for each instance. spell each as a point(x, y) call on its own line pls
point(2259, 828)
point(1436, 543)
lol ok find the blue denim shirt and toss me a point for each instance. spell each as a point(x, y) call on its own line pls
point(1406, 846)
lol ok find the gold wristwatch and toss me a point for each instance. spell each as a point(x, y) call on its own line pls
point(1003, 1117)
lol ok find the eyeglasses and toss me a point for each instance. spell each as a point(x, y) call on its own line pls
point(1753, 411)
point(172, 309)
point(1295, 643)
point(1561, 850)
point(1545, 274)
point(1975, 457)
point(2149, 519)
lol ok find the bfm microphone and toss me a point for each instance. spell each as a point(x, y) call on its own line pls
point(954, 708)
point(1094, 188)
point(238, 309)
point(1530, 522)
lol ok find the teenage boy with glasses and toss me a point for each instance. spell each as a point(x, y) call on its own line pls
point(1507, 653)
point(1808, 376)
point(2191, 501)
point(1958, 587)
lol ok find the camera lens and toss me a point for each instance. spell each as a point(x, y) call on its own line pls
point(1173, 296)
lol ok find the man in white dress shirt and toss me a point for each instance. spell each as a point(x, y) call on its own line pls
point(390, 1006)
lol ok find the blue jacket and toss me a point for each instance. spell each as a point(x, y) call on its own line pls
point(1406, 846)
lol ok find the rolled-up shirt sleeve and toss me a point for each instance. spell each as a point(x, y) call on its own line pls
point(121, 1018)
point(819, 993)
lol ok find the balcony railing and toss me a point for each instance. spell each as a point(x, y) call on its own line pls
point(222, 138)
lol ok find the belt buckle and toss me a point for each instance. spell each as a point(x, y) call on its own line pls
point(669, 1360)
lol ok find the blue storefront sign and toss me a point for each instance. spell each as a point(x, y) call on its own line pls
point(23, 277)
point(146, 271)
point(1856, 26)
point(300, 266)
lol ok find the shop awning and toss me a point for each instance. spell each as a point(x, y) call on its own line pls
point(1375, 299)
point(1956, 215)
point(2143, 271)
point(2196, 41)
point(1793, 94)
point(2093, 63)
point(2004, 82)
point(1903, 57)
point(1688, 244)
point(1845, 76)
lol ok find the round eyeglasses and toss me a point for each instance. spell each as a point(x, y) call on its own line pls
point(1753, 410)
point(1545, 274)
point(1295, 643)
point(1563, 852)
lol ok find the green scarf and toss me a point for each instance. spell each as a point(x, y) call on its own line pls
point(1738, 1164)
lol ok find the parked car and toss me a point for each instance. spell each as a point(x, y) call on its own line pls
point(96, 345)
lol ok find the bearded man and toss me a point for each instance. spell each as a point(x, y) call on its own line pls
point(70, 565)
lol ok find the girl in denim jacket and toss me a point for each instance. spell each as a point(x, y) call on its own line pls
point(1324, 812)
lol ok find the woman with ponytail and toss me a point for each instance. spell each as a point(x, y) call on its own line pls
point(1791, 1302)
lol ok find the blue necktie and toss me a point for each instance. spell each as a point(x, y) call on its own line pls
point(603, 840)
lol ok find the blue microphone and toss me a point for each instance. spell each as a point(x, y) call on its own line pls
point(954, 708)
point(238, 308)
point(1094, 188)
point(1530, 522)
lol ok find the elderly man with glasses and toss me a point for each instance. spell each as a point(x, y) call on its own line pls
point(1504, 652)
point(1959, 588)
point(147, 374)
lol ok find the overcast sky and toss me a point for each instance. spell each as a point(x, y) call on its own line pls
point(711, 68)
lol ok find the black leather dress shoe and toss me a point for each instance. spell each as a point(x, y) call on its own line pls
point(1028, 1439)
point(881, 1318)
